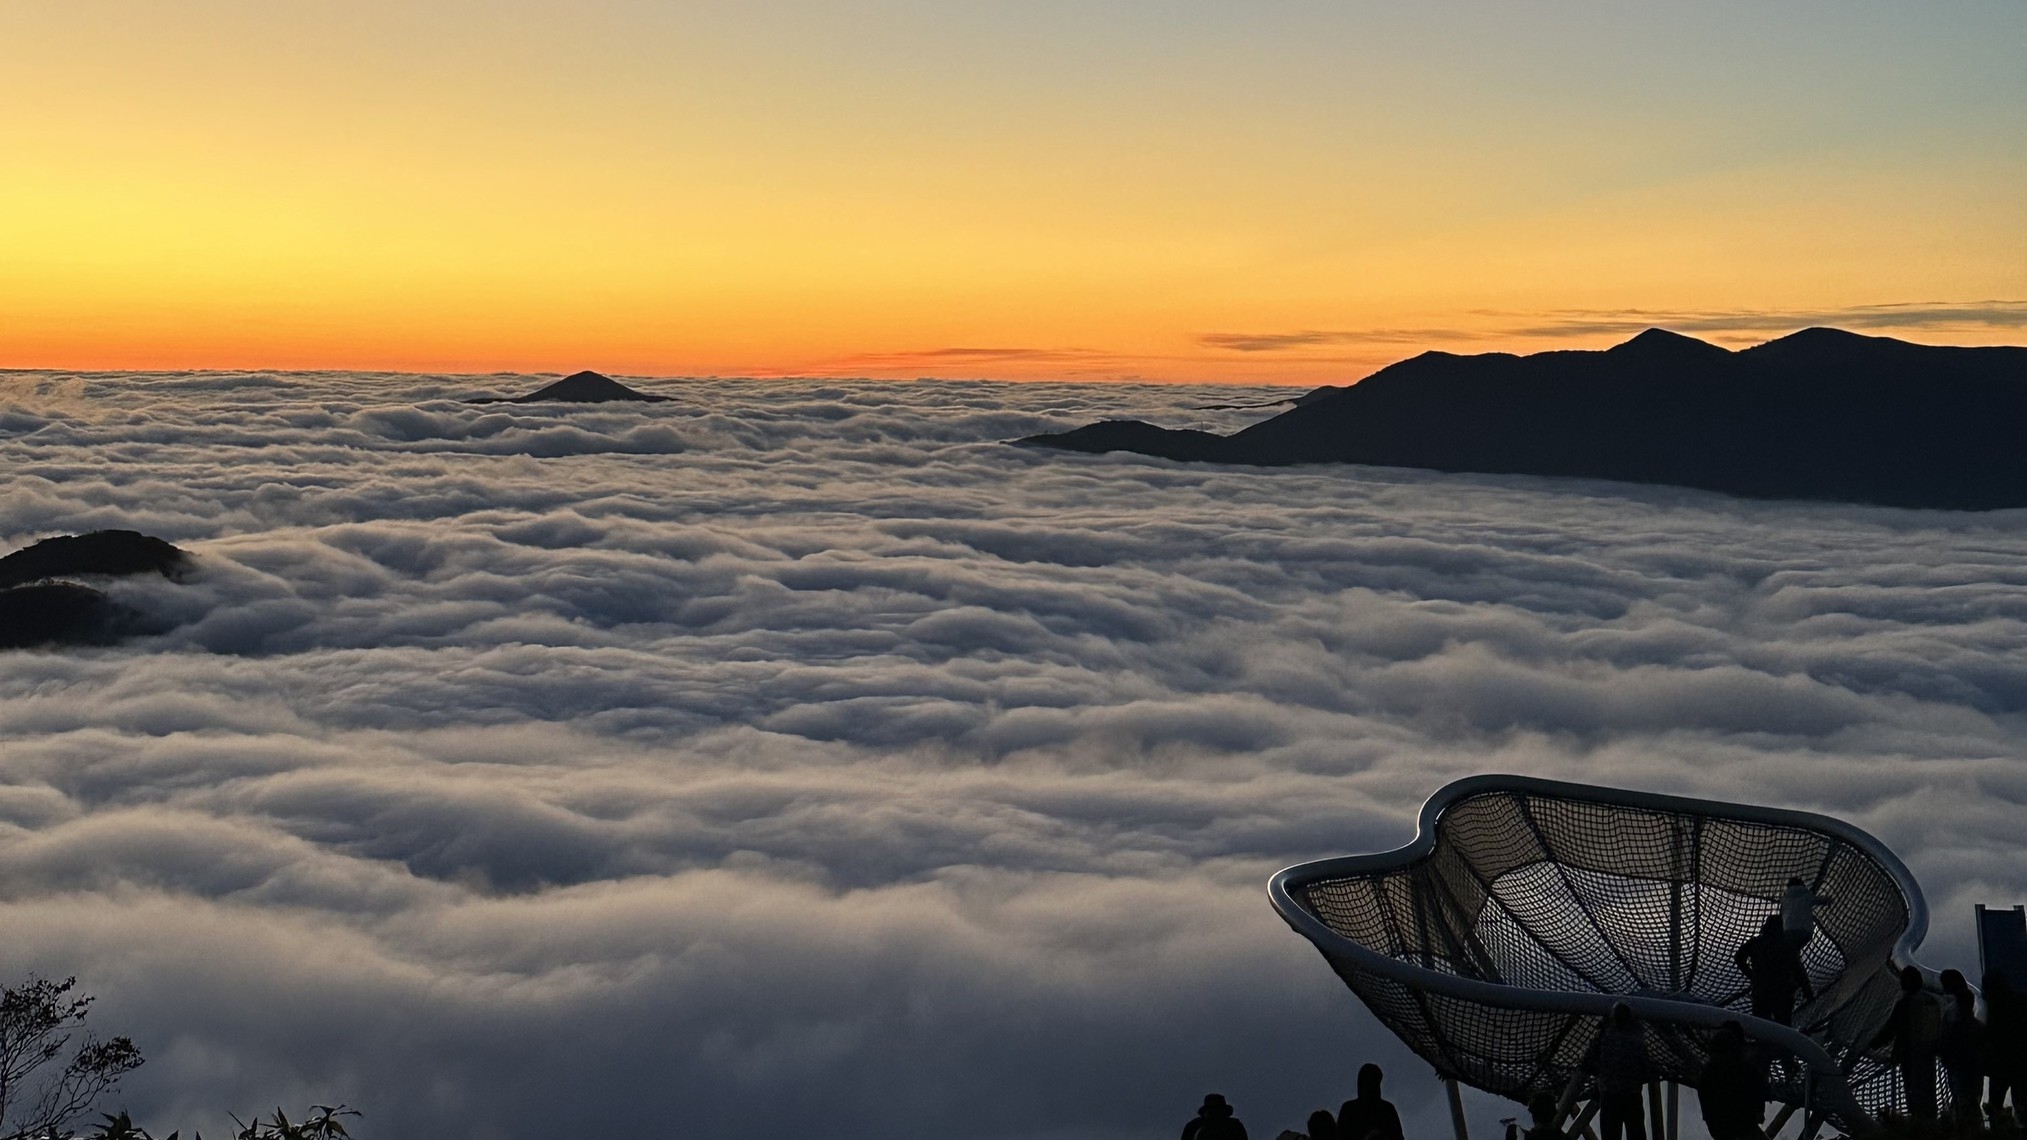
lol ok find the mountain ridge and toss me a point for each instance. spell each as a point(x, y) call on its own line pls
point(1821, 413)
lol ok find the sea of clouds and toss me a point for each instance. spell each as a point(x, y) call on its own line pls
point(794, 758)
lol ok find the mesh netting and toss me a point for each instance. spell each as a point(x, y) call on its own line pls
point(1552, 889)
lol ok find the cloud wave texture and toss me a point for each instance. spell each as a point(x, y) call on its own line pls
point(793, 755)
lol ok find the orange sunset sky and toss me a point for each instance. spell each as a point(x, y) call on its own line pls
point(1269, 191)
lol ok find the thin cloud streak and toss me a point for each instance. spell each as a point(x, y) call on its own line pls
point(1591, 322)
point(1081, 364)
point(929, 357)
point(1585, 323)
point(1313, 338)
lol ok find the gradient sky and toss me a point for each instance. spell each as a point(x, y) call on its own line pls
point(1279, 191)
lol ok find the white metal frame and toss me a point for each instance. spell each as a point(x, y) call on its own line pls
point(1832, 1091)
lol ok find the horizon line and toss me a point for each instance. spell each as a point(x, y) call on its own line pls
point(1252, 349)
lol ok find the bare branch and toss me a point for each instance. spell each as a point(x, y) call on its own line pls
point(42, 1022)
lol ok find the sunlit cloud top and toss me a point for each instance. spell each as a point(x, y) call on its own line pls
point(1282, 191)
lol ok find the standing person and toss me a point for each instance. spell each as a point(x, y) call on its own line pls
point(1962, 1047)
point(1732, 1089)
point(1619, 1061)
point(1214, 1121)
point(1322, 1125)
point(1914, 1029)
point(1370, 1116)
point(1772, 963)
point(1798, 911)
point(2005, 1044)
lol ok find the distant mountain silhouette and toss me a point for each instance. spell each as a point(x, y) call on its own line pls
point(576, 388)
point(1820, 414)
point(38, 608)
point(107, 552)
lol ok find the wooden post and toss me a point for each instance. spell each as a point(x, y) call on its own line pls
point(1456, 1108)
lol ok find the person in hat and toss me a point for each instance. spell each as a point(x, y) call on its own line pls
point(1214, 1121)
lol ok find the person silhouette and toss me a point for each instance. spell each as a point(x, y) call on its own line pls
point(1214, 1121)
point(1772, 963)
point(1369, 1116)
point(1322, 1125)
point(1543, 1113)
point(1732, 1088)
point(2005, 1045)
point(1914, 1029)
point(1798, 910)
point(1962, 1047)
point(1619, 1062)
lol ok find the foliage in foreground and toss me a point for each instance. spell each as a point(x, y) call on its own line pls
point(52, 1069)
point(322, 1123)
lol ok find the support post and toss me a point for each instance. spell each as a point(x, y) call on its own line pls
point(1582, 1125)
point(1456, 1108)
point(1677, 857)
point(1654, 1110)
point(1674, 1111)
point(1570, 1093)
point(1780, 1120)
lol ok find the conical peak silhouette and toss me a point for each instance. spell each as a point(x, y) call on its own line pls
point(585, 386)
point(578, 388)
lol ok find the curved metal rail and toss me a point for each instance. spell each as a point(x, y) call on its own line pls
point(1495, 942)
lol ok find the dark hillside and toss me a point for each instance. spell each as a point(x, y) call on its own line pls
point(1821, 414)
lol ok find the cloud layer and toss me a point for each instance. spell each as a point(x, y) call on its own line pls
point(794, 755)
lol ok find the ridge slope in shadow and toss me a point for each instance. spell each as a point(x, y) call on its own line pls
point(1820, 414)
